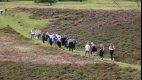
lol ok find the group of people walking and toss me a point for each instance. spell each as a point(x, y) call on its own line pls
point(62, 42)
point(91, 49)
point(59, 40)
point(36, 33)
point(54, 38)
point(3, 11)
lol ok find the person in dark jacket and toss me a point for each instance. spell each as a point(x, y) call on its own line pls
point(93, 49)
point(65, 36)
point(63, 41)
point(70, 44)
point(47, 38)
point(43, 37)
point(101, 51)
point(74, 43)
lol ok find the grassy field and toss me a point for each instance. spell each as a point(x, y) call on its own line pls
point(91, 4)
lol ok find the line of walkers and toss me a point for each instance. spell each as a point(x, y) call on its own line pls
point(91, 49)
point(54, 38)
point(59, 40)
point(36, 33)
point(62, 42)
point(3, 11)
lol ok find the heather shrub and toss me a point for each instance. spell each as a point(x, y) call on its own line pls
point(122, 27)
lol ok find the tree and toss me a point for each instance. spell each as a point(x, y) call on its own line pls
point(51, 1)
point(138, 2)
point(46, 1)
point(116, 2)
point(80, 0)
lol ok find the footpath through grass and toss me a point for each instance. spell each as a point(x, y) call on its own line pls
point(9, 20)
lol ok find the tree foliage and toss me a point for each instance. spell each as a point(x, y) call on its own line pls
point(73, 0)
point(137, 1)
point(116, 2)
point(46, 1)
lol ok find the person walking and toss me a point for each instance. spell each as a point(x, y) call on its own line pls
point(59, 40)
point(1, 11)
point(74, 43)
point(66, 40)
point(47, 37)
point(36, 33)
point(39, 34)
point(70, 45)
point(111, 49)
point(101, 51)
point(50, 39)
point(43, 37)
point(54, 39)
point(4, 11)
point(32, 34)
point(63, 41)
point(87, 49)
point(93, 49)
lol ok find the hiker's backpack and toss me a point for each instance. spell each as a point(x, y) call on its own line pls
point(55, 38)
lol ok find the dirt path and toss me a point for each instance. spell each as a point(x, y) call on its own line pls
point(15, 49)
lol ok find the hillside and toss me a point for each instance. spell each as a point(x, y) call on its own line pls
point(100, 21)
point(24, 59)
point(121, 27)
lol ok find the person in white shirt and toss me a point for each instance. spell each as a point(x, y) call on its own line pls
point(101, 51)
point(87, 49)
point(111, 49)
point(32, 34)
point(1, 11)
point(50, 38)
point(59, 40)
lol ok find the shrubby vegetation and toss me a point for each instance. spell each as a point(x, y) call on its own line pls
point(122, 27)
point(46, 1)
point(98, 71)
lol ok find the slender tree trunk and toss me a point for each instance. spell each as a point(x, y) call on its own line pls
point(138, 4)
point(116, 2)
point(50, 4)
